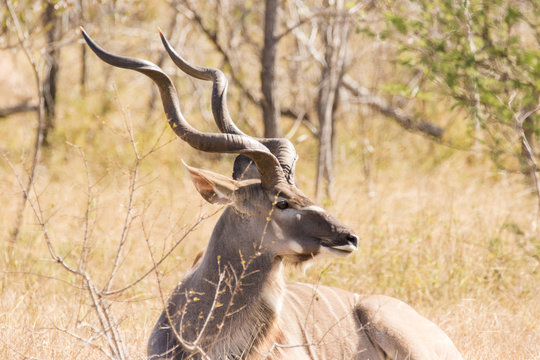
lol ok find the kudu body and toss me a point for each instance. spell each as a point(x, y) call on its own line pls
point(234, 303)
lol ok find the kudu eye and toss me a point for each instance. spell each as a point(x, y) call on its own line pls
point(282, 204)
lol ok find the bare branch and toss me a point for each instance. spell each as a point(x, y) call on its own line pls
point(38, 143)
point(379, 104)
point(24, 106)
point(105, 320)
point(531, 160)
point(321, 13)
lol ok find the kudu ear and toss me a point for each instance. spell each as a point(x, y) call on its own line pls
point(214, 188)
point(244, 168)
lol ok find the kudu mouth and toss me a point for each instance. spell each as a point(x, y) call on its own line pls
point(346, 243)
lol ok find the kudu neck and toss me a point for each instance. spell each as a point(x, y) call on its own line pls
point(237, 243)
point(237, 256)
point(250, 286)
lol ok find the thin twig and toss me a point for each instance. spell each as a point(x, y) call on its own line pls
point(211, 312)
point(42, 276)
point(16, 351)
point(100, 312)
point(533, 167)
point(177, 335)
point(155, 265)
point(84, 249)
point(86, 341)
point(330, 12)
point(131, 195)
point(23, 37)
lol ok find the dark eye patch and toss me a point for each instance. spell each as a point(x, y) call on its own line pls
point(282, 204)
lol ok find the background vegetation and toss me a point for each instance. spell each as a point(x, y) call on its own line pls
point(430, 156)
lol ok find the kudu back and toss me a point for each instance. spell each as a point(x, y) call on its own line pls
point(234, 303)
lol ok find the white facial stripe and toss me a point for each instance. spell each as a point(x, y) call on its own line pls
point(314, 208)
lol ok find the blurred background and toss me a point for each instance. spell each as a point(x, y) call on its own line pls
point(416, 123)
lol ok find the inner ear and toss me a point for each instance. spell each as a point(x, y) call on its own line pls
point(245, 169)
point(214, 188)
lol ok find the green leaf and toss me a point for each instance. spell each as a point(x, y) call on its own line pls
point(512, 16)
point(398, 22)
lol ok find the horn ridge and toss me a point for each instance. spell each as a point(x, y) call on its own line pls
point(282, 148)
point(266, 163)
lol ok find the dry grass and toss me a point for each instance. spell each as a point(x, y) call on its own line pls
point(444, 231)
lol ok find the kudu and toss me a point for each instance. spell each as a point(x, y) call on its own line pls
point(234, 303)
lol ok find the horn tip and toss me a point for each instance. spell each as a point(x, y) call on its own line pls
point(163, 38)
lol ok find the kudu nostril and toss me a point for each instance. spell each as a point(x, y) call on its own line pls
point(352, 239)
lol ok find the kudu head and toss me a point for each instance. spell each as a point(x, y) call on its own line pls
point(262, 191)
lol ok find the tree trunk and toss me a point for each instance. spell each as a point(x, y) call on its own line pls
point(50, 23)
point(335, 32)
point(325, 100)
point(270, 104)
